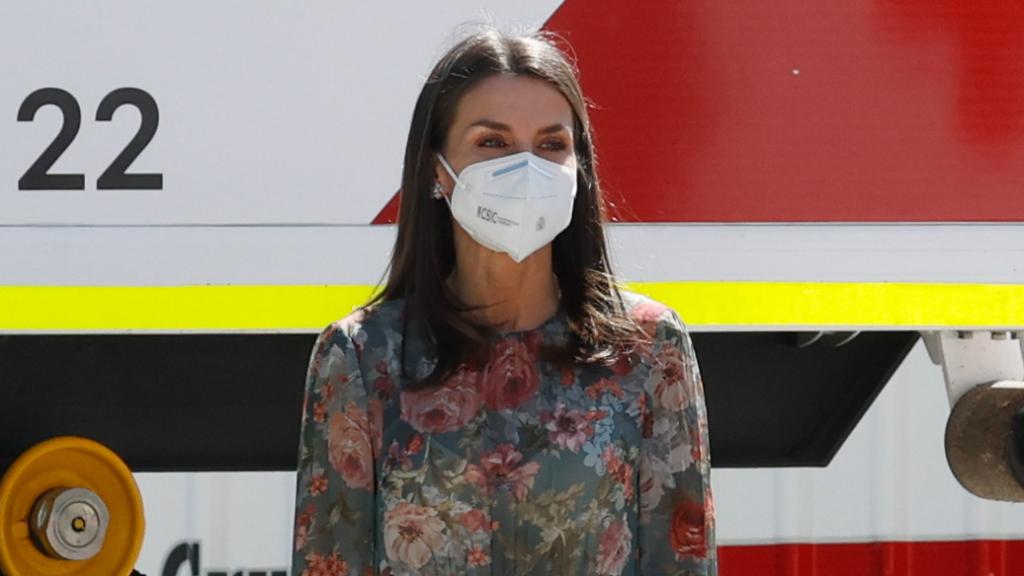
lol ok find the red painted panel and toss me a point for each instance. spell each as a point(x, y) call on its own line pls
point(753, 111)
point(957, 558)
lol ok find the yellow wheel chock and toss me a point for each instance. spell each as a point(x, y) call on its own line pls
point(69, 506)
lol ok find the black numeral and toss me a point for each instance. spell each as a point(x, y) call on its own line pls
point(36, 177)
point(114, 177)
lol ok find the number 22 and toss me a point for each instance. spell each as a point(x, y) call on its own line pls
point(114, 177)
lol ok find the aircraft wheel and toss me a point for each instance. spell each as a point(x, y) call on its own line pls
point(69, 506)
point(980, 445)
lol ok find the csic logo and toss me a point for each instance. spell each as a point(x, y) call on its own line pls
point(486, 214)
point(186, 554)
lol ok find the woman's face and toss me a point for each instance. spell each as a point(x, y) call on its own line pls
point(503, 115)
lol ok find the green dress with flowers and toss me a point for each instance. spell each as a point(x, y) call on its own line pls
point(516, 467)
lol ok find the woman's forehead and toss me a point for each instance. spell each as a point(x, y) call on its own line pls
point(523, 103)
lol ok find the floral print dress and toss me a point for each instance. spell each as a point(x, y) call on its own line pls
point(513, 468)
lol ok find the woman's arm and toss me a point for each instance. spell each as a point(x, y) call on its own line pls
point(677, 512)
point(334, 505)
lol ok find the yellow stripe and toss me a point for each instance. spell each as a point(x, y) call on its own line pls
point(241, 308)
point(869, 304)
point(119, 308)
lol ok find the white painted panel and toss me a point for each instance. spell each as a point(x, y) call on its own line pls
point(241, 521)
point(268, 111)
point(182, 255)
point(889, 481)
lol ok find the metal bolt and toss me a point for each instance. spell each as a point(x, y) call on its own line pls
point(70, 523)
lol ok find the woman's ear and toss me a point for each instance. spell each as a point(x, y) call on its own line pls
point(441, 176)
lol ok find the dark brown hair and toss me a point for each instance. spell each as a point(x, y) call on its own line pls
point(424, 252)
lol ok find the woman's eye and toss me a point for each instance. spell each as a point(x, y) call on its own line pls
point(498, 142)
point(492, 142)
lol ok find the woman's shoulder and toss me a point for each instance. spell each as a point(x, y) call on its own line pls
point(655, 317)
point(670, 343)
point(367, 325)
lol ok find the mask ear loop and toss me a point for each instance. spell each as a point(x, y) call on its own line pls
point(450, 173)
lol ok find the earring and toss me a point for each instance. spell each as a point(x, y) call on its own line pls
point(437, 192)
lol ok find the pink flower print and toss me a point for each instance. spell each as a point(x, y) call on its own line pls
point(568, 376)
point(325, 565)
point(412, 534)
point(611, 458)
point(621, 472)
point(500, 468)
point(651, 484)
point(383, 384)
point(613, 547)
point(647, 314)
point(375, 416)
point(668, 378)
point(645, 416)
point(444, 408)
point(414, 445)
point(474, 521)
point(510, 378)
point(302, 526)
point(323, 342)
point(687, 534)
point(319, 412)
point(349, 446)
point(567, 428)
point(318, 484)
point(624, 476)
point(398, 457)
point(533, 341)
point(477, 557)
point(327, 391)
point(604, 385)
point(623, 365)
point(335, 382)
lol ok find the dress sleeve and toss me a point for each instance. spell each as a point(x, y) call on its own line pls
point(335, 488)
point(676, 531)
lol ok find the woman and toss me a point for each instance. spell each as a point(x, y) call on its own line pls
point(501, 407)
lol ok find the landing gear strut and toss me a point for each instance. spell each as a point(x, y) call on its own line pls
point(984, 373)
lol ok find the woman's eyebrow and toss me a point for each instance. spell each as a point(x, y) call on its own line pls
point(495, 125)
point(554, 128)
point(492, 124)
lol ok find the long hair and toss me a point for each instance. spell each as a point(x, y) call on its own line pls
point(424, 253)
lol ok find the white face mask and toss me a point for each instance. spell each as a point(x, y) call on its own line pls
point(514, 204)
